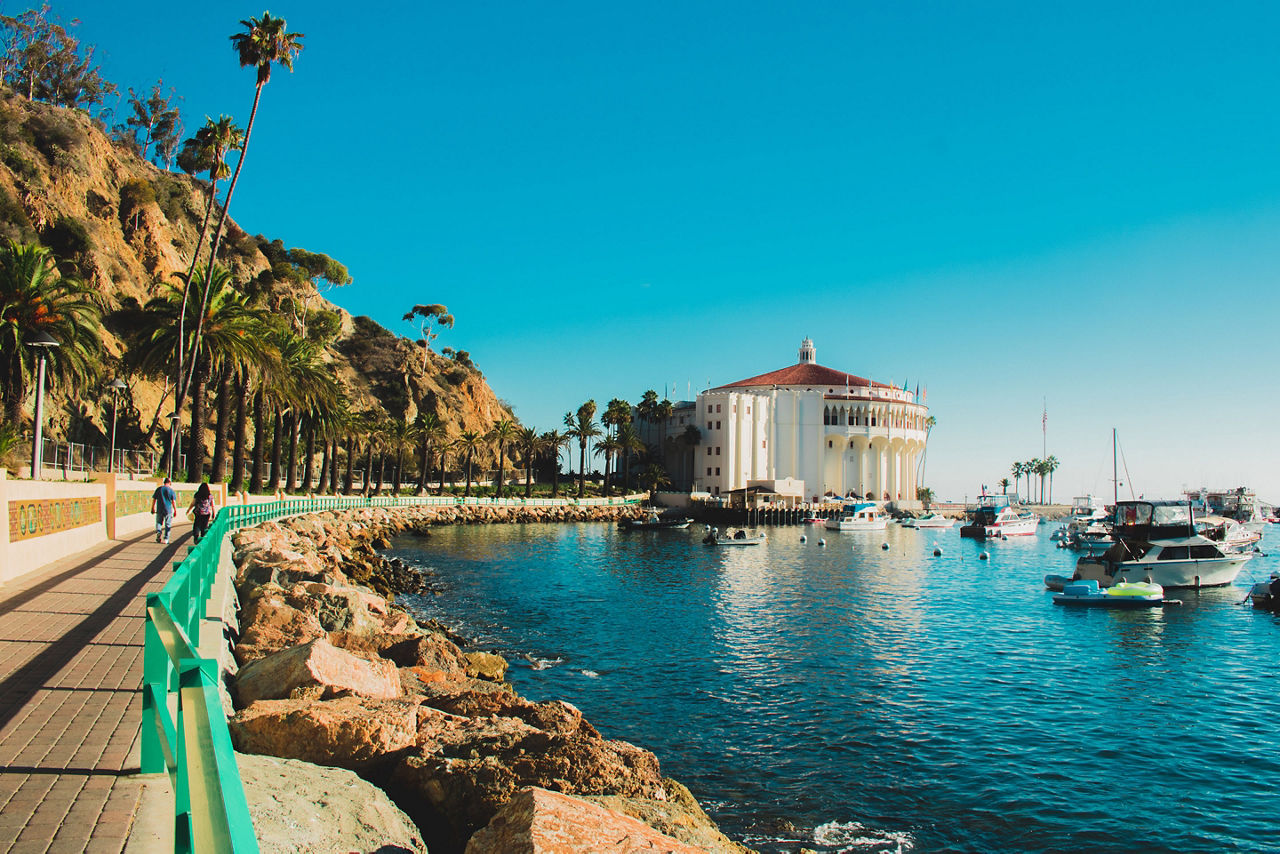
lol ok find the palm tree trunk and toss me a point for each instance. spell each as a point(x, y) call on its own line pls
point(259, 440)
point(502, 463)
point(582, 467)
point(237, 455)
point(555, 472)
point(333, 467)
point(395, 483)
point(195, 459)
point(467, 492)
point(368, 467)
point(351, 458)
point(217, 234)
point(218, 473)
point(444, 460)
point(424, 462)
point(191, 268)
point(291, 466)
point(322, 486)
point(309, 456)
point(382, 472)
point(528, 474)
point(273, 483)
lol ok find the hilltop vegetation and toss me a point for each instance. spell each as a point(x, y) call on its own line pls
point(135, 234)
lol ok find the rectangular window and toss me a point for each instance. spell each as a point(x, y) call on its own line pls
point(708, 450)
point(717, 450)
point(764, 443)
point(708, 425)
point(708, 471)
point(717, 471)
point(717, 425)
point(717, 407)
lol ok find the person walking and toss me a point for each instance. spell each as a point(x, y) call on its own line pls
point(201, 512)
point(163, 502)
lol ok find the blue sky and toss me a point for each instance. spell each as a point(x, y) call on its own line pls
point(1012, 204)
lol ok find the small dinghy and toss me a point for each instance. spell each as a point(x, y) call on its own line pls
point(738, 539)
point(1266, 594)
point(1125, 594)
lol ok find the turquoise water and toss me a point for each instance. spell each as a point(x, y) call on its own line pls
point(851, 698)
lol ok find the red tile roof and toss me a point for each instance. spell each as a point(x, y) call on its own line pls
point(806, 374)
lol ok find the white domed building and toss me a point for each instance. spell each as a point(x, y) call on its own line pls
point(833, 431)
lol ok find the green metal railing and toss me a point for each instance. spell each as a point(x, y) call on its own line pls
point(184, 730)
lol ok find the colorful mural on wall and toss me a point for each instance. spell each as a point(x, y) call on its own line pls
point(40, 517)
point(131, 501)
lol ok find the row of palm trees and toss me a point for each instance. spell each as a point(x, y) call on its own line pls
point(1036, 466)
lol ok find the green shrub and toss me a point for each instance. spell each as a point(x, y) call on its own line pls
point(323, 326)
point(19, 164)
point(14, 223)
point(54, 134)
point(68, 238)
point(172, 196)
point(135, 194)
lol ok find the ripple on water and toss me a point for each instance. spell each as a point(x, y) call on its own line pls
point(887, 700)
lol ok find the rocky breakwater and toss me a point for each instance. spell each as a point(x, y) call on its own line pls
point(332, 673)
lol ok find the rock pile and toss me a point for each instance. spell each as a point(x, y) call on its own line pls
point(333, 674)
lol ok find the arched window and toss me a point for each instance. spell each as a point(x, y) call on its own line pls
point(826, 415)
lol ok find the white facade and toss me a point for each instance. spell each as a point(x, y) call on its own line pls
point(836, 432)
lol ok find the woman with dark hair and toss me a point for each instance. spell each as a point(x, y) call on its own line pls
point(202, 512)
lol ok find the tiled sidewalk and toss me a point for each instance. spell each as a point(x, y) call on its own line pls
point(70, 697)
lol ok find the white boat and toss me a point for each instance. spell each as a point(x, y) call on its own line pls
point(1088, 594)
point(862, 516)
point(933, 520)
point(995, 519)
point(1157, 541)
point(743, 540)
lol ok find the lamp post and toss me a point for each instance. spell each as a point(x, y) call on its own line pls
point(40, 341)
point(173, 441)
point(117, 386)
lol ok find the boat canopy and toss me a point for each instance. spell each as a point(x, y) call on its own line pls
point(1153, 513)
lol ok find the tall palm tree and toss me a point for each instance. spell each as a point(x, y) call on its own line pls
point(584, 428)
point(205, 152)
point(1016, 471)
point(1050, 466)
point(608, 447)
point(232, 336)
point(446, 445)
point(529, 443)
point(468, 441)
point(617, 413)
point(653, 477)
point(430, 431)
point(33, 297)
point(1035, 466)
point(552, 443)
point(503, 432)
point(264, 44)
point(399, 436)
point(1004, 486)
point(629, 442)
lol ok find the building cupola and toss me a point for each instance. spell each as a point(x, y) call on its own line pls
point(808, 354)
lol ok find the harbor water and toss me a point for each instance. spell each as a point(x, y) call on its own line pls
point(850, 697)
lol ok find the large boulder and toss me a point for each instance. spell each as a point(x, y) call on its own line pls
point(306, 809)
point(350, 732)
point(461, 773)
point(270, 622)
point(536, 820)
point(679, 815)
point(316, 670)
point(486, 665)
point(553, 716)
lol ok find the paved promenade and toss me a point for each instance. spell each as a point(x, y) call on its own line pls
point(71, 639)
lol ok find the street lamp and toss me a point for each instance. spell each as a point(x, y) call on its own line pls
point(117, 386)
point(173, 440)
point(40, 341)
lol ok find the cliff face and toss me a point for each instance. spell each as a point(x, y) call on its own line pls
point(126, 227)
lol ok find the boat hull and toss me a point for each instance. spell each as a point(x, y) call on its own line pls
point(859, 525)
point(1019, 528)
point(1204, 572)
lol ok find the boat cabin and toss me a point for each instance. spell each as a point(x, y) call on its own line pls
point(1152, 520)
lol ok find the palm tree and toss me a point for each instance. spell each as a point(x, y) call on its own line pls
point(1051, 465)
point(530, 443)
point(468, 441)
point(629, 442)
point(232, 336)
point(400, 436)
point(430, 431)
point(653, 477)
point(446, 445)
point(583, 428)
point(1035, 467)
point(1004, 486)
point(552, 442)
point(608, 447)
point(264, 44)
point(33, 297)
point(617, 413)
point(1016, 471)
point(503, 433)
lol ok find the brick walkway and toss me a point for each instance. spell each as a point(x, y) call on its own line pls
point(70, 696)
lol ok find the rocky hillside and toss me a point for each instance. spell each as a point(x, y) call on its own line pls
point(126, 227)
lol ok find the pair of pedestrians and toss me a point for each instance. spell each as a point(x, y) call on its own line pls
point(164, 503)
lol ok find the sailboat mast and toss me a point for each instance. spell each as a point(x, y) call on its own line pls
point(1115, 477)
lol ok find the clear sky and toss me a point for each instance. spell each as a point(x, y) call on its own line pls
point(1018, 205)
